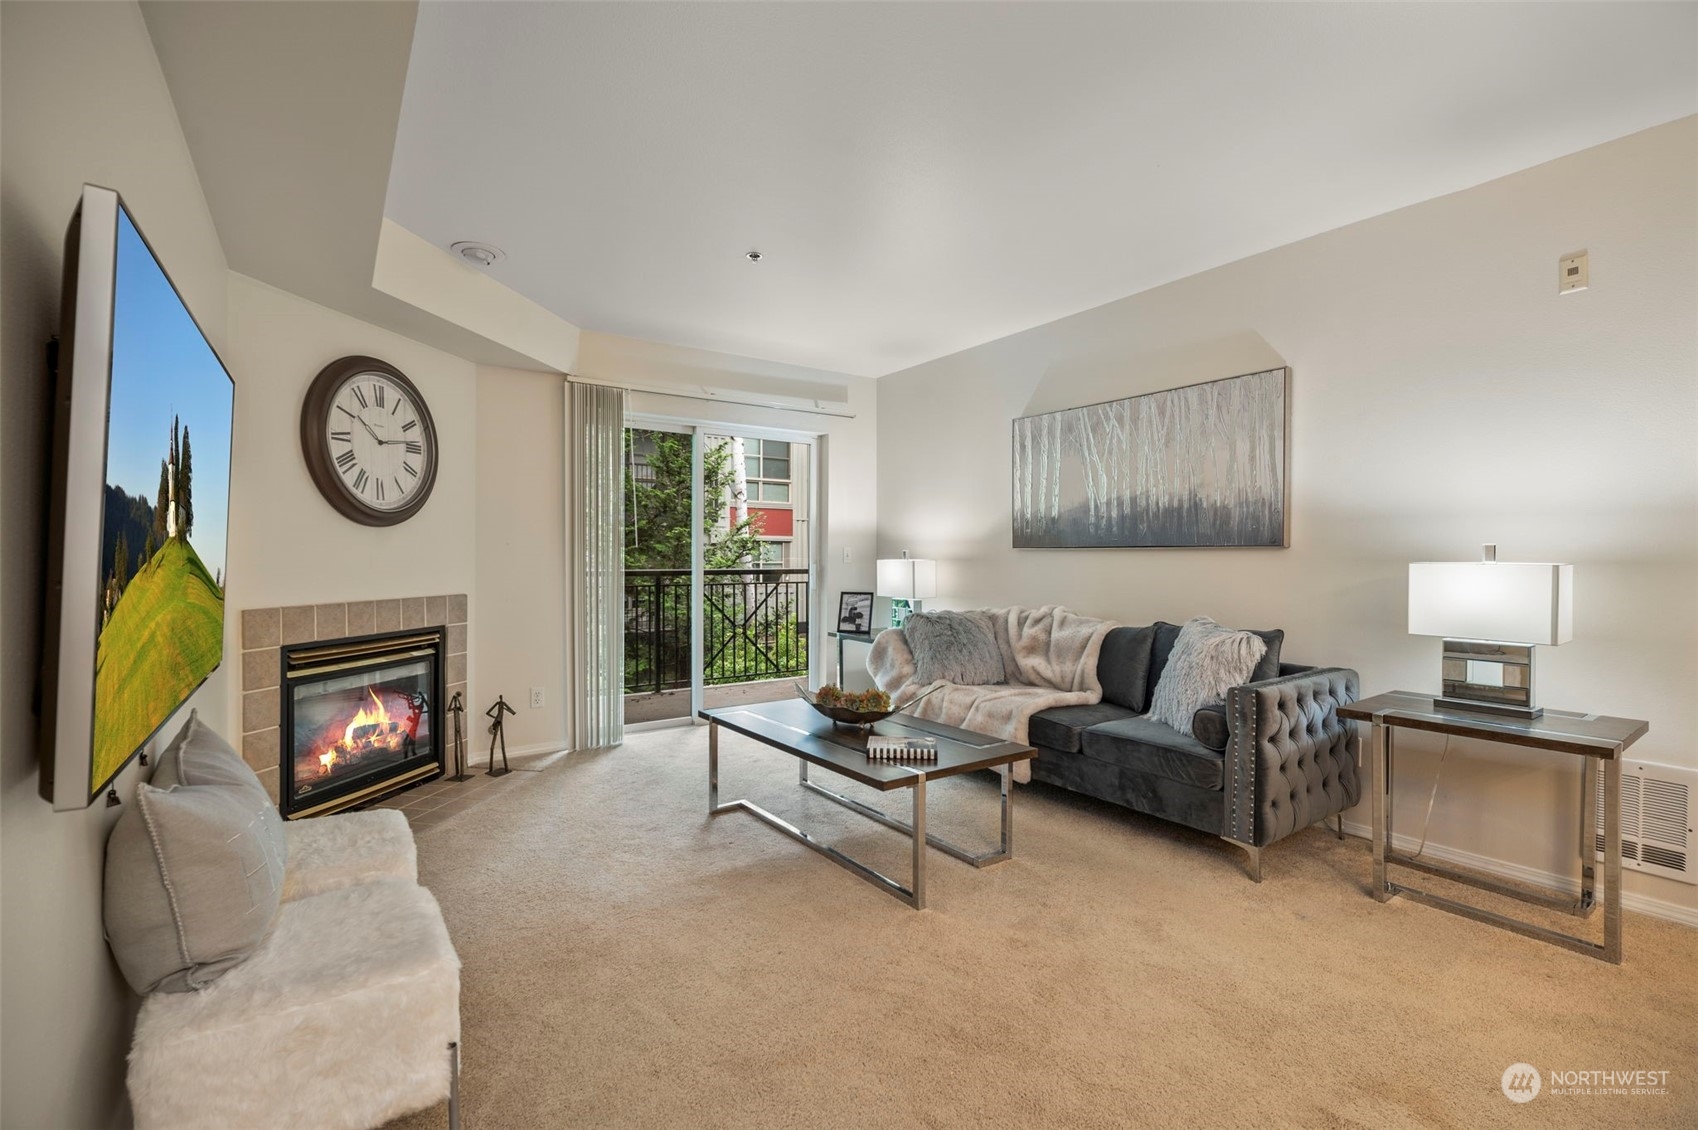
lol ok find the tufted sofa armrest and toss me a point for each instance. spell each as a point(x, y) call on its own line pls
point(1290, 759)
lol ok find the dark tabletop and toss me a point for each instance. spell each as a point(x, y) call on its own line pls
point(1591, 735)
point(798, 729)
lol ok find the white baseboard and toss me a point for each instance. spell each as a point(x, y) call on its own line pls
point(1564, 884)
point(481, 756)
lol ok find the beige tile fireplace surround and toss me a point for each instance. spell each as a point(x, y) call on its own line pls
point(266, 630)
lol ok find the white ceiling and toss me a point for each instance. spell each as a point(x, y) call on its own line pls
point(922, 178)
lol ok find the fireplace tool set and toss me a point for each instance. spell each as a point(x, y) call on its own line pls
point(498, 733)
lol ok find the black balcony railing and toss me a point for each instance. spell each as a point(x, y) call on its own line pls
point(755, 627)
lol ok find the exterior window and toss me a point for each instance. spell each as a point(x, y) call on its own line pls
point(772, 552)
point(766, 466)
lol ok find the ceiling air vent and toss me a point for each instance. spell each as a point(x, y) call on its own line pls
point(1657, 810)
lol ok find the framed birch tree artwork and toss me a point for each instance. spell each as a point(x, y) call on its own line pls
point(1203, 465)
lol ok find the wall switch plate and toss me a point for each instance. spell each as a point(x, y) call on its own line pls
point(846, 555)
point(536, 698)
point(1573, 273)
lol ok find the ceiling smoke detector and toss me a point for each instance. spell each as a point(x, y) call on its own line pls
point(478, 254)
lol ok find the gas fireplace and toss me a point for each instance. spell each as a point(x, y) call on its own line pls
point(360, 719)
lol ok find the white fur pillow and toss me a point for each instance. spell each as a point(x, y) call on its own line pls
point(1207, 661)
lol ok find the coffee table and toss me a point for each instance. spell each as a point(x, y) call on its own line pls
point(812, 739)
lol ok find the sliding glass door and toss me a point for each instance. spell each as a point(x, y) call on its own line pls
point(719, 567)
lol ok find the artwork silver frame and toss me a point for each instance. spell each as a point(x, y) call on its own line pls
point(1203, 466)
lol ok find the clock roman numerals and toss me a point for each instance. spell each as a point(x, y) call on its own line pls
point(373, 445)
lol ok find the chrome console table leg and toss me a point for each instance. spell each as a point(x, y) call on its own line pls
point(1612, 861)
point(1379, 763)
point(1588, 837)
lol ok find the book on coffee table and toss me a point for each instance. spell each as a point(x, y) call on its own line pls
point(883, 748)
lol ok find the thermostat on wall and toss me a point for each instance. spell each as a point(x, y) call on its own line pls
point(1572, 273)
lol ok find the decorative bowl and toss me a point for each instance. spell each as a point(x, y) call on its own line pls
point(847, 717)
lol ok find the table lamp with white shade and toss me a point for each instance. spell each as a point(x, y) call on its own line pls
point(906, 581)
point(1492, 614)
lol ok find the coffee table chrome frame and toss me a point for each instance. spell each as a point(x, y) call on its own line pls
point(1381, 755)
point(915, 895)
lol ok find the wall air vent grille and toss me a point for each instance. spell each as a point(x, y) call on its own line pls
point(1657, 809)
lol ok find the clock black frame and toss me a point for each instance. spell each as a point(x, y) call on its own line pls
point(321, 463)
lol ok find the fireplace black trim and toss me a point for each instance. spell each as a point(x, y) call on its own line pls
point(381, 783)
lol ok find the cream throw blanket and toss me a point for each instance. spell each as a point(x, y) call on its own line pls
point(1049, 656)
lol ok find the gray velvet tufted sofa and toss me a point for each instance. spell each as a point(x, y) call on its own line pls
point(1273, 760)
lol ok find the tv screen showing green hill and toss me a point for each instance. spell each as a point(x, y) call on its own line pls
point(161, 629)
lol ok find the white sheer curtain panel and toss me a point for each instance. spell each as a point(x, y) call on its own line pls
point(595, 553)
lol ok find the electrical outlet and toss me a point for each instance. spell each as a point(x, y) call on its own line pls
point(536, 698)
point(1573, 273)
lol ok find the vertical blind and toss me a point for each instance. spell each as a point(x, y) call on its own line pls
point(595, 520)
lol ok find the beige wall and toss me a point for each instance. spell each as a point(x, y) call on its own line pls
point(1443, 396)
point(287, 545)
point(848, 445)
point(83, 100)
point(519, 631)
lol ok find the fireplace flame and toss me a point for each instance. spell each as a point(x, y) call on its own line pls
point(367, 716)
point(372, 731)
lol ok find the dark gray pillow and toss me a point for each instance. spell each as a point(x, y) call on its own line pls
point(1123, 667)
point(955, 647)
point(1161, 646)
point(1208, 726)
point(1268, 666)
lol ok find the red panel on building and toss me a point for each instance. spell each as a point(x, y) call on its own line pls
point(768, 522)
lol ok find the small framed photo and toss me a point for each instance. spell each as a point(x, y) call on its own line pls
point(855, 612)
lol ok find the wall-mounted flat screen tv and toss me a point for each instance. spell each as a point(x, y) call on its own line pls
point(141, 488)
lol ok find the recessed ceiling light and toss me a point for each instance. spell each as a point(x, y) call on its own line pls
point(478, 254)
point(753, 256)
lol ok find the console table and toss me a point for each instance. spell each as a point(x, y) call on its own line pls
point(858, 637)
point(1593, 738)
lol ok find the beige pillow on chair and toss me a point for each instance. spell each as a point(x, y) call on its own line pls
point(194, 872)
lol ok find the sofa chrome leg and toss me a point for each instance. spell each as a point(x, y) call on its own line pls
point(1339, 829)
point(454, 1086)
point(1255, 854)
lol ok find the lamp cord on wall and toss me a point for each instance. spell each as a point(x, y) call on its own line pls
point(1426, 820)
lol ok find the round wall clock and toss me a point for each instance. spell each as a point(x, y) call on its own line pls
point(369, 441)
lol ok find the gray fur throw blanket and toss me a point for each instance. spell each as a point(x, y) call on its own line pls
point(1049, 657)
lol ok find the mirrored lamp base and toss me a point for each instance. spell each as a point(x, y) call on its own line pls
point(1488, 677)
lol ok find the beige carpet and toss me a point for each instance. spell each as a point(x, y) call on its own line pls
point(630, 962)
